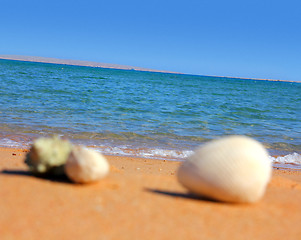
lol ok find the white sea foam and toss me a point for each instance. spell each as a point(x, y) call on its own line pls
point(6, 142)
point(145, 152)
point(162, 153)
point(293, 158)
point(290, 160)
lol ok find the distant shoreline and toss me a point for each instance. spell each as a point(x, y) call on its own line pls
point(114, 66)
point(255, 79)
point(79, 63)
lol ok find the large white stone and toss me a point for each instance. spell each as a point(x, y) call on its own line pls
point(85, 165)
point(232, 169)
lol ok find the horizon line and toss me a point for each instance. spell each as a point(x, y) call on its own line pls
point(84, 63)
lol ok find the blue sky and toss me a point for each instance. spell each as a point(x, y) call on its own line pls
point(252, 39)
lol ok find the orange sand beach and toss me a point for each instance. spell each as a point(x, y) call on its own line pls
point(139, 199)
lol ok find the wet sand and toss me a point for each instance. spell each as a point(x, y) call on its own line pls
point(139, 199)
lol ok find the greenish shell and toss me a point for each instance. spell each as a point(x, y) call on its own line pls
point(48, 156)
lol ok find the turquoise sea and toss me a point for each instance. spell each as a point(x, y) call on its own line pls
point(145, 114)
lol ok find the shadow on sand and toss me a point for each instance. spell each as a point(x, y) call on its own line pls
point(181, 195)
point(60, 179)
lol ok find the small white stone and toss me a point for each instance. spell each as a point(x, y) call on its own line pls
point(232, 169)
point(86, 165)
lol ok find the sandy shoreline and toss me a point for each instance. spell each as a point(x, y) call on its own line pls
point(140, 199)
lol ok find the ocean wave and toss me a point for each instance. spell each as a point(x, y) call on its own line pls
point(10, 143)
point(157, 153)
point(180, 155)
point(292, 160)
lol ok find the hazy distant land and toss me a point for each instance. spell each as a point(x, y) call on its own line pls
point(77, 63)
point(107, 65)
